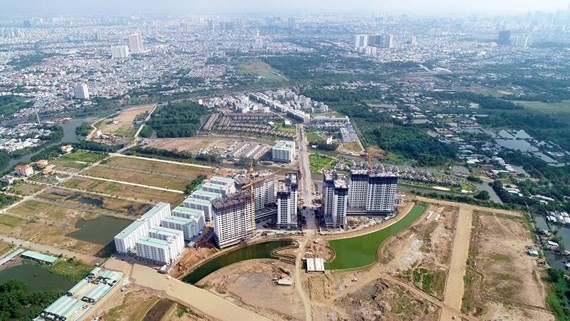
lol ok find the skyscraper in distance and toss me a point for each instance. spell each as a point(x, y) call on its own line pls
point(136, 43)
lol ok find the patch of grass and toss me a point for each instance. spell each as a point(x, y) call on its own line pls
point(312, 136)
point(79, 159)
point(10, 221)
point(320, 162)
point(135, 306)
point(555, 108)
point(259, 68)
point(500, 257)
point(72, 269)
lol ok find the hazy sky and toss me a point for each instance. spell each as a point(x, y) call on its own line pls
point(276, 6)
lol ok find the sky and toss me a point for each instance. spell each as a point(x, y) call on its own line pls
point(430, 7)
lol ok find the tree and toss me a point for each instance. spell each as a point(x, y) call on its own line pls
point(483, 195)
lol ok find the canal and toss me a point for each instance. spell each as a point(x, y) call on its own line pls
point(69, 136)
point(255, 251)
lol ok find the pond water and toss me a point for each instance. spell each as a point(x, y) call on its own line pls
point(255, 251)
point(37, 278)
point(101, 230)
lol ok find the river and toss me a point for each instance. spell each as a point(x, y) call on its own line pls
point(69, 136)
point(255, 251)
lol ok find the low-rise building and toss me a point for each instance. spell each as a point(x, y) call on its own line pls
point(25, 170)
point(283, 151)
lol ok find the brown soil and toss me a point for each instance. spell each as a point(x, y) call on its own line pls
point(189, 258)
point(251, 284)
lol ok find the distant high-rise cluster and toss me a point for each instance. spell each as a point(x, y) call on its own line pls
point(136, 43)
point(506, 38)
point(365, 192)
point(365, 43)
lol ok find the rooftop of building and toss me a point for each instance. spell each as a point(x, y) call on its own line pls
point(178, 220)
point(149, 241)
point(188, 211)
point(165, 231)
point(284, 144)
point(198, 201)
point(237, 199)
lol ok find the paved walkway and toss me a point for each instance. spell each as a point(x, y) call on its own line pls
point(186, 294)
point(455, 287)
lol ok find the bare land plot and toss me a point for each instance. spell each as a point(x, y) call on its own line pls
point(123, 123)
point(250, 284)
point(91, 201)
point(41, 210)
point(25, 188)
point(134, 307)
point(122, 190)
point(139, 177)
point(501, 278)
point(155, 167)
point(4, 248)
point(214, 144)
point(76, 160)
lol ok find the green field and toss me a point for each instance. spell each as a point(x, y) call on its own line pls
point(361, 251)
point(261, 69)
point(561, 108)
point(79, 159)
point(320, 162)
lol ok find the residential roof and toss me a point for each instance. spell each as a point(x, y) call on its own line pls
point(149, 241)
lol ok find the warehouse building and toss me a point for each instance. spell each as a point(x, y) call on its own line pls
point(64, 308)
point(96, 293)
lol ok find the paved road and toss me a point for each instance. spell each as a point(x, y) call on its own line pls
point(455, 287)
point(304, 166)
point(298, 271)
point(132, 184)
point(472, 207)
point(184, 293)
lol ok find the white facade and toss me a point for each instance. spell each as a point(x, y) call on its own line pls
point(283, 151)
point(81, 92)
point(287, 198)
point(264, 191)
point(118, 52)
point(174, 238)
point(155, 250)
point(136, 43)
point(199, 204)
point(335, 200)
point(372, 191)
point(125, 241)
point(191, 227)
point(233, 219)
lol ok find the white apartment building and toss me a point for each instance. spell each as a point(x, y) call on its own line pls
point(227, 183)
point(335, 199)
point(287, 198)
point(204, 195)
point(119, 52)
point(174, 238)
point(190, 227)
point(125, 241)
point(136, 43)
point(233, 219)
point(155, 250)
point(283, 151)
point(200, 204)
point(381, 195)
point(81, 92)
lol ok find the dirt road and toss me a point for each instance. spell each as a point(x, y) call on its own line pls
point(455, 286)
point(132, 184)
point(471, 207)
point(186, 294)
point(160, 161)
point(298, 271)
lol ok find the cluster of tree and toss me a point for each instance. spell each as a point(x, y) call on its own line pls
point(97, 147)
point(210, 158)
point(25, 61)
point(17, 303)
point(10, 104)
point(464, 199)
point(47, 153)
point(559, 298)
point(483, 195)
point(195, 182)
point(414, 143)
point(474, 179)
point(542, 89)
point(146, 131)
point(4, 159)
point(6, 200)
point(83, 130)
point(486, 102)
point(322, 145)
point(180, 119)
point(164, 153)
point(190, 81)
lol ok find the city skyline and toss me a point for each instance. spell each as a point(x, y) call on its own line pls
point(414, 7)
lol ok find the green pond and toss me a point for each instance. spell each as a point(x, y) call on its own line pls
point(361, 251)
point(36, 278)
point(101, 230)
point(255, 251)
